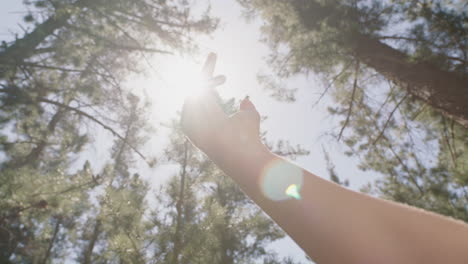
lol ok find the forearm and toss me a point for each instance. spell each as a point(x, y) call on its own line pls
point(332, 224)
point(336, 225)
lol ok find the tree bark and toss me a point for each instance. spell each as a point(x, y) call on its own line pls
point(24, 47)
point(89, 250)
point(445, 91)
point(36, 152)
point(52, 241)
point(179, 208)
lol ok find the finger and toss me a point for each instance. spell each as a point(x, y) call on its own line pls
point(208, 68)
point(214, 106)
point(216, 81)
point(206, 105)
point(186, 115)
point(198, 112)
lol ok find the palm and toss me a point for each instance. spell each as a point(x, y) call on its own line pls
point(206, 124)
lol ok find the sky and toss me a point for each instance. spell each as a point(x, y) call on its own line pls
point(241, 56)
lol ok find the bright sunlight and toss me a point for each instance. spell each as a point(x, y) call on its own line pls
point(340, 109)
point(181, 77)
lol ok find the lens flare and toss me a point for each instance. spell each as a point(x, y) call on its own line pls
point(278, 177)
point(293, 191)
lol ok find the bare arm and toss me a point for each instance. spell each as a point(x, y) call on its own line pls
point(332, 224)
point(335, 225)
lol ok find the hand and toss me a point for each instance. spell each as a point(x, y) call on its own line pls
point(207, 125)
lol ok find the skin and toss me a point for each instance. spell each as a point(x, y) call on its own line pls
point(330, 223)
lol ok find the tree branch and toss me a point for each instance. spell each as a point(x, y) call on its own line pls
point(24, 47)
point(399, 38)
point(350, 109)
point(179, 206)
point(92, 182)
point(128, 35)
point(78, 111)
point(42, 66)
point(52, 240)
point(112, 44)
point(449, 146)
point(419, 40)
point(330, 84)
point(389, 118)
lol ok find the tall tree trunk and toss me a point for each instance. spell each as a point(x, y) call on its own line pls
point(89, 250)
point(446, 92)
point(24, 47)
point(97, 227)
point(226, 246)
point(179, 208)
point(224, 232)
point(52, 240)
point(36, 152)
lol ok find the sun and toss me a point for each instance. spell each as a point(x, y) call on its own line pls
point(176, 79)
point(183, 77)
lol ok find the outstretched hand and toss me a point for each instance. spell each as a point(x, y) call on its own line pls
point(209, 127)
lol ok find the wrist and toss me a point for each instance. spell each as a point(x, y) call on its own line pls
point(243, 163)
point(239, 151)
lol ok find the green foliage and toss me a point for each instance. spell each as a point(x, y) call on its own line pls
point(202, 216)
point(61, 84)
point(420, 152)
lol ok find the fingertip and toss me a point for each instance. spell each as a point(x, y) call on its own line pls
point(212, 56)
point(216, 81)
point(208, 67)
point(211, 61)
point(222, 78)
point(247, 106)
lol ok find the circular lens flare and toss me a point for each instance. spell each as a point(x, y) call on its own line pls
point(281, 180)
point(293, 191)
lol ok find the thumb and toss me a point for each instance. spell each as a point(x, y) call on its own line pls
point(248, 116)
point(247, 105)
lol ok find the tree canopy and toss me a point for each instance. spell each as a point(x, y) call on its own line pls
point(398, 73)
point(62, 85)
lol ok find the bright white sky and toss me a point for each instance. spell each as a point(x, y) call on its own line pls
point(240, 58)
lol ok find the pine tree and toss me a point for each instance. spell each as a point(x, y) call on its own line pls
point(79, 57)
point(428, 60)
point(38, 211)
point(397, 72)
point(114, 230)
point(202, 215)
point(60, 82)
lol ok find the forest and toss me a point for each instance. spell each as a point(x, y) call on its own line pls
point(78, 158)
